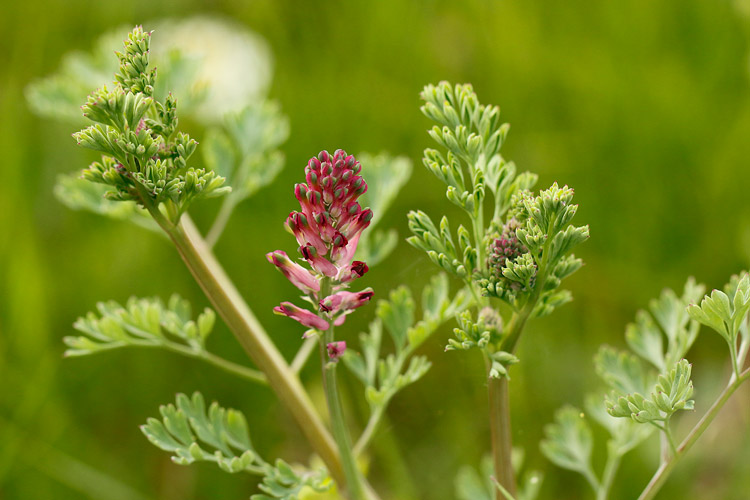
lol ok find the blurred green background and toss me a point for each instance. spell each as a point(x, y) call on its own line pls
point(642, 106)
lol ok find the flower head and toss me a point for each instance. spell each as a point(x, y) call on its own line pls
point(506, 247)
point(330, 220)
point(327, 229)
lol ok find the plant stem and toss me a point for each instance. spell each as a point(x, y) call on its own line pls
point(353, 483)
point(219, 362)
point(303, 354)
point(226, 365)
point(227, 301)
point(608, 476)
point(372, 425)
point(657, 481)
point(499, 402)
point(500, 432)
point(220, 223)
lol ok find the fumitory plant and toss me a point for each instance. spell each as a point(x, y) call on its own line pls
point(507, 256)
point(650, 384)
point(516, 251)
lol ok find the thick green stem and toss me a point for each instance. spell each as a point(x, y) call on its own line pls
point(661, 475)
point(500, 432)
point(227, 301)
point(608, 476)
point(499, 401)
point(353, 477)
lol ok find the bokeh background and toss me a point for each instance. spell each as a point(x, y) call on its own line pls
point(642, 106)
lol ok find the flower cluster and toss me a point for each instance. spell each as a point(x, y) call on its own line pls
point(327, 228)
point(506, 247)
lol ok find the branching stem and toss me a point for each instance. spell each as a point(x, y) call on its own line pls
point(222, 218)
point(608, 476)
point(661, 475)
point(229, 304)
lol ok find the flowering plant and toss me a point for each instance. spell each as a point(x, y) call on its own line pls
point(510, 255)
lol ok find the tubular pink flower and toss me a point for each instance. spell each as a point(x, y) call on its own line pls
point(345, 301)
point(296, 274)
point(303, 230)
point(336, 350)
point(303, 316)
point(356, 270)
point(318, 262)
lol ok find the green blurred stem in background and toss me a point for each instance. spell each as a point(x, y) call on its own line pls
point(661, 475)
point(227, 301)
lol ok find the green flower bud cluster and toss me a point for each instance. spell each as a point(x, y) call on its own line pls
point(145, 158)
point(534, 243)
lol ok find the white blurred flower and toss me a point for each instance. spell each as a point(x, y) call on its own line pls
point(214, 66)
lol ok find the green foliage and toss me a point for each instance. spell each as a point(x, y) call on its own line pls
point(283, 482)
point(569, 442)
point(471, 334)
point(246, 150)
point(386, 176)
point(60, 95)
point(471, 484)
point(146, 322)
point(669, 318)
point(473, 134)
point(725, 312)
point(79, 194)
point(622, 371)
point(439, 245)
point(145, 159)
point(193, 433)
point(384, 377)
point(624, 434)
point(637, 391)
point(672, 393)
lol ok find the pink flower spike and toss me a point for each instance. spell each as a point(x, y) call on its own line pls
point(345, 301)
point(303, 316)
point(336, 350)
point(296, 274)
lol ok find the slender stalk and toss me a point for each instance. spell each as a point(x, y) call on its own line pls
point(233, 368)
point(220, 223)
point(353, 483)
point(219, 362)
point(303, 354)
point(372, 424)
point(227, 301)
point(663, 446)
point(608, 476)
point(377, 416)
point(661, 475)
